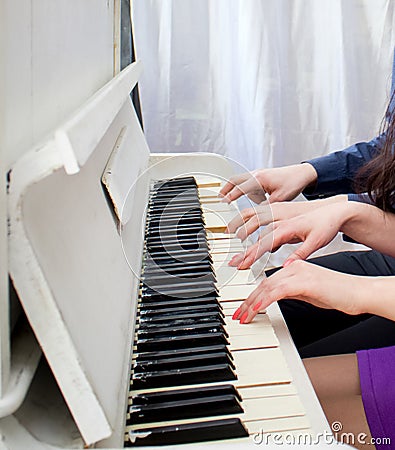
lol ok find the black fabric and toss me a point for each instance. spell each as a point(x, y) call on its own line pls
point(319, 332)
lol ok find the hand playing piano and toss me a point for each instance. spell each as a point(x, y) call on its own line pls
point(281, 183)
point(250, 219)
point(302, 280)
point(315, 229)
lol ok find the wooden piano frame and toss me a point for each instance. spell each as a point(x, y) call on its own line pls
point(75, 245)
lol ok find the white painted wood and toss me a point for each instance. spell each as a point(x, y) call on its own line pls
point(122, 175)
point(26, 355)
point(117, 36)
point(57, 55)
point(79, 136)
point(4, 303)
point(72, 275)
point(37, 299)
point(314, 412)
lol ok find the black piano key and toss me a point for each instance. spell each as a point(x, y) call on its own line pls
point(174, 211)
point(163, 275)
point(187, 433)
point(168, 343)
point(175, 223)
point(186, 291)
point(178, 255)
point(179, 236)
point(182, 352)
point(185, 409)
point(174, 230)
point(176, 181)
point(180, 319)
point(185, 258)
point(180, 362)
point(151, 398)
point(178, 304)
point(152, 269)
point(175, 282)
point(172, 191)
point(165, 332)
point(173, 241)
point(177, 298)
point(146, 313)
point(191, 245)
point(183, 376)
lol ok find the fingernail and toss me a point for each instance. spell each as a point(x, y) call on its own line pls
point(257, 306)
point(236, 313)
point(244, 265)
point(244, 317)
point(288, 262)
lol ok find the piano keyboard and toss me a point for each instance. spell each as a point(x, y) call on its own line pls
point(197, 375)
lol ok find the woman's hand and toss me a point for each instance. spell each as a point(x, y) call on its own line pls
point(281, 183)
point(319, 286)
point(315, 229)
point(250, 219)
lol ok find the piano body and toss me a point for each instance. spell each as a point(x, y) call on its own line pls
point(77, 208)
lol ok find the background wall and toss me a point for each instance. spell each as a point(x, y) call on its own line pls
point(266, 82)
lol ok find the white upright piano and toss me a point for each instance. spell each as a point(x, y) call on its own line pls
point(78, 241)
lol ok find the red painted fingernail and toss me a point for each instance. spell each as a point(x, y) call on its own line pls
point(244, 317)
point(257, 306)
point(236, 314)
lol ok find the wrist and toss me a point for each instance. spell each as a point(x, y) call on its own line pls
point(309, 175)
point(381, 303)
point(352, 217)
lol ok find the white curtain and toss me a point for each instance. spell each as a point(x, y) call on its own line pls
point(265, 82)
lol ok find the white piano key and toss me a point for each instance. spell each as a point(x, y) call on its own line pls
point(218, 219)
point(257, 409)
point(207, 181)
point(210, 200)
point(281, 425)
point(231, 247)
point(225, 242)
point(223, 257)
point(231, 276)
point(222, 206)
point(209, 192)
point(234, 244)
point(271, 390)
point(272, 407)
point(229, 308)
point(267, 339)
point(260, 367)
point(235, 328)
point(231, 293)
point(212, 236)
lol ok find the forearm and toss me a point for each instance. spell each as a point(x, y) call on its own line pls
point(379, 296)
point(369, 225)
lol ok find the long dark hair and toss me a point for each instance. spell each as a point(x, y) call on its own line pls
point(377, 177)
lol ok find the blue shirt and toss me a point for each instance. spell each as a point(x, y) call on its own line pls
point(336, 171)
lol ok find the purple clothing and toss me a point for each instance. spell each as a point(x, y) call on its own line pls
point(377, 379)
